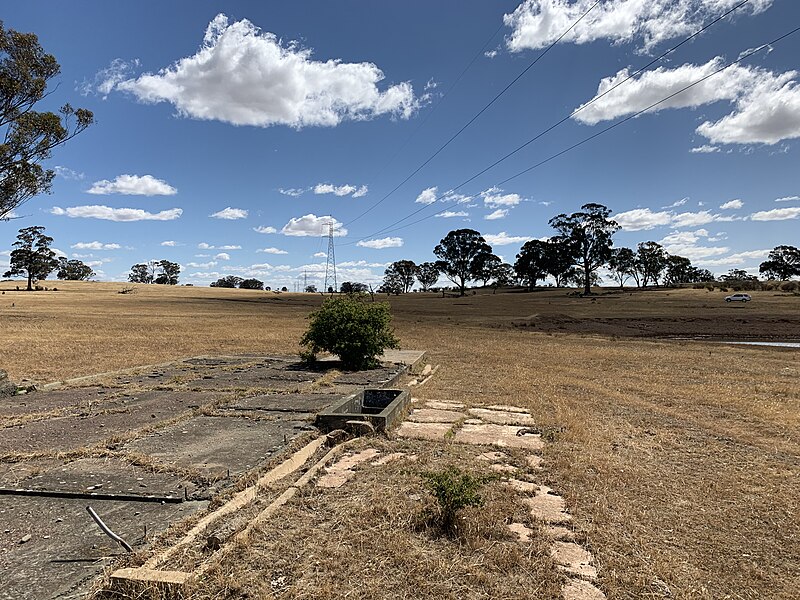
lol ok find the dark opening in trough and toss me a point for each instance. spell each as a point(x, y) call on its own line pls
point(381, 407)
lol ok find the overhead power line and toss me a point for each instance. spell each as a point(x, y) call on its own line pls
point(476, 116)
point(390, 227)
point(746, 55)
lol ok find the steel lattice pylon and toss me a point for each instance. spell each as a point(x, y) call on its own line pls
point(330, 267)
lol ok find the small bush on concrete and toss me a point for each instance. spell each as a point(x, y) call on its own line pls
point(453, 489)
point(356, 331)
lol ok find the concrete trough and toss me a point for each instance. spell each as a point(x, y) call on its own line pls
point(381, 407)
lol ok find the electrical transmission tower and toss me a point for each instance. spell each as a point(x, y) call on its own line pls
point(330, 267)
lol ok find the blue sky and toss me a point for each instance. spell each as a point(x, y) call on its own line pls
point(228, 134)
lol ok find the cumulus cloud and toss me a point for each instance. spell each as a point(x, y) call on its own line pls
point(263, 229)
point(312, 225)
point(500, 213)
point(776, 214)
point(95, 246)
point(206, 265)
point(449, 214)
point(272, 251)
point(116, 214)
point(320, 255)
point(245, 76)
point(207, 246)
point(685, 243)
point(341, 190)
point(68, 173)
point(677, 203)
point(766, 104)
point(222, 256)
point(387, 242)
point(294, 192)
point(230, 214)
point(427, 196)
point(705, 149)
point(169, 243)
point(640, 219)
point(736, 259)
point(732, 205)
point(133, 185)
point(787, 199)
point(539, 23)
point(503, 239)
point(106, 79)
point(494, 198)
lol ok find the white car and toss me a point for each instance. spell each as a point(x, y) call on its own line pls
point(738, 298)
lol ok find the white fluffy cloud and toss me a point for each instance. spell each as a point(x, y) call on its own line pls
point(117, 214)
point(312, 225)
point(132, 185)
point(263, 229)
point(320, 255)
point(449, 214)
point(495, 198)
point(685, 243)
point(169, 243)
point(766, 104)
point(245, 76)
point(230, 214)
point(272, 251)
point(105, 80)
point(500, 213)
point(95, 246)
point(787, 199)
point(206, 246)
point(341, 190)
point(640, 219)
point(205, 265)
point(387, 242)
point(738, 258)
point(539, 23)
point(222, 256)
point(503, 239)
point(427, 196)
point(732, 205)
point(776, 214)
point(68, 173)
point(705, 149)
point(294, 192)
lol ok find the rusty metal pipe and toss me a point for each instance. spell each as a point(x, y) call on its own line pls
point(107, 531)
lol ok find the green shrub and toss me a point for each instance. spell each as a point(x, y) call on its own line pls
point(354, 330)
point(453, 490)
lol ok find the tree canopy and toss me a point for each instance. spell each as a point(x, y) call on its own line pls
point(460, 254)
point(32, 256)
point(427, 275)
point(399, 277)
point(782, 263)
point(587, 234)
point(73, 270)
point(29, 137)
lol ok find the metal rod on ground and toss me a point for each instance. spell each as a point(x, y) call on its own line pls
point(107, 531)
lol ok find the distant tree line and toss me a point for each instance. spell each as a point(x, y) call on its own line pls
point(581, 246)
point(34, 259)
point(162, 272)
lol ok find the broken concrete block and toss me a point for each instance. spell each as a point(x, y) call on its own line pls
point(502, 417)
point(548, 507)
point(444, 405)
point(522, 532)
point(577, 589)
point(434, 415)
point(504, 436)
point(574, 559)
point(424, 431)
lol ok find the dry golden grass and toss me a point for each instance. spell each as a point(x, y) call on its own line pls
point(680, 461)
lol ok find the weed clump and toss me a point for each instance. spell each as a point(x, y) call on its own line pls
point(356, 331)
point(453, 489)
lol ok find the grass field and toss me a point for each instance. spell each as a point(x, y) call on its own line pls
point(680, 460)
